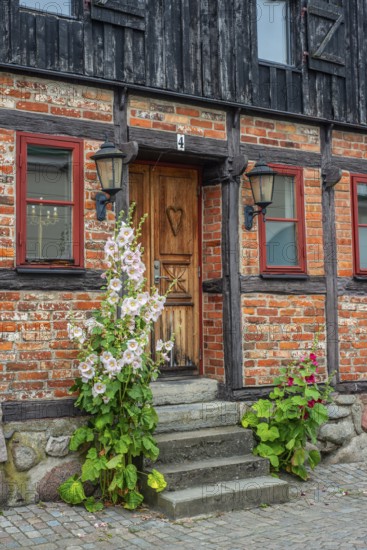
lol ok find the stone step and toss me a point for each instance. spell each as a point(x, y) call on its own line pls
point(202, 444)
point(213, 470)
point(225, 496)
point(197, 416)
point(184, 390)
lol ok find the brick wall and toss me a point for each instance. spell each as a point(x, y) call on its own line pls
point(349, 144)
point(278, 329)
point(7, 198)
point(212, 232)
point(343, 225)
point(213, 357)
point(36, 356)
point(276, 133)
point(352, 337)
point(49, 97)
point(176, 117)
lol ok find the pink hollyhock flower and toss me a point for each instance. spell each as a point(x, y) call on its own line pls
point(290, 381)
point(311, 403)
point(313, 357)
point(310, 379)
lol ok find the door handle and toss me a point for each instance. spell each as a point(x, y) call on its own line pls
point(157, 271)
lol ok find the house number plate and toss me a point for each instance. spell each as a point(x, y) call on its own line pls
point(181, 142)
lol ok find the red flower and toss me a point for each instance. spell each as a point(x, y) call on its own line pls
point(290, 381)
point(311, 403)
point(310, 379)
point(313, 357)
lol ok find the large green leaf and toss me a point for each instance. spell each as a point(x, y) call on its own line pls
point(265, 433)
point(264, 408)
point(314, 458)
point(131, 476)
point(156, 481)
point(312, 393)
point(114, 462)
point(103, 420)
point(250, 419)
point(92, 505)
point(72, 491)
point(299, 457)
point(92, 467)
point(117, 481)
point(319, 414)
point(299, 471)
point(133, 499)
point(151, 449)
point(80, 436)
point(122, 445)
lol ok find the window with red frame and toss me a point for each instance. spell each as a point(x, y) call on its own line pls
point(359, 194)
point(282, 241)
point(49, 201)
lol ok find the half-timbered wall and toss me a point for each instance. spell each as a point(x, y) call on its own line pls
point(202, 48)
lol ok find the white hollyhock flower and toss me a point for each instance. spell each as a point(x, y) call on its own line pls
point(98, 389)
point(110, 247)
point(169, 345)
point(159, 345)
point(128, 357)
point(113, 298)
point(91, 359)
point(106, 356)
point(75, 333)
point(87, 372)
point(115, 285)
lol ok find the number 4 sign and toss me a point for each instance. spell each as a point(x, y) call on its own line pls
point(180, 142)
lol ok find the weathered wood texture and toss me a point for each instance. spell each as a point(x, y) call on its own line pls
point(89, 280)
point(312, 285)
point(20, 411)
point(202, 48)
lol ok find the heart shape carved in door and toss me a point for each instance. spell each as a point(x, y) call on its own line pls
point(175, 218)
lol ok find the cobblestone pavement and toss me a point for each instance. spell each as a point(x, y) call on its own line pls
point(328, 512)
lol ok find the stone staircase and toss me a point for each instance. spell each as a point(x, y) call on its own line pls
point(205, 456)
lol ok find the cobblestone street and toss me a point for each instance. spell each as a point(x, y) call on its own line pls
point(329, 512)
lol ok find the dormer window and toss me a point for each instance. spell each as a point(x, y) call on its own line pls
point(58, 7)
point(273, 31)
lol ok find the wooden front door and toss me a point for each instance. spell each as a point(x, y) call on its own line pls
point(170, 238)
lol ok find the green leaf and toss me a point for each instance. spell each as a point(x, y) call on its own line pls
point(135, 393)
point(92, 467)
point(156, 481)
point(92, 506)
point(314, 458)
point(290, 444)
point(150, 447)
point(312, 393)
point(277, 392)
point(298, 457)
point(122, 445)
point(299, 471)
point(319, 414)
point(264, 408)
point(149, 418)
point(114, 462)
point(274, 461)
point(265, 433)
point(132, 500)
point(72, 491)
point(299, 401)
point(250, 420)
point(117, 481)
point(131, 476)
point(103, 420)
point(80, 436)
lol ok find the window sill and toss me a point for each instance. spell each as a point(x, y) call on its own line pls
point(360, 278)
point(51, 270)
point(295, 276)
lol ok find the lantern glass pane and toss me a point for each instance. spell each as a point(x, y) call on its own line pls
point(262, 188)
point(105, 173)
point(117, 164)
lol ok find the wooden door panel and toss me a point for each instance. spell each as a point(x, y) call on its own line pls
point(170, 239)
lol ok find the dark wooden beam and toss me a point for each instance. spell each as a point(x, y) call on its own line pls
point(90, 280)
point(213, 286)
point(166, 142)
point(350, 164)
point(20, 411)
point(311, 285)
point(218, 173)
point(55, 125)
point(232, 313)
point(352, 285)
point(330, 258)
point(281, 155)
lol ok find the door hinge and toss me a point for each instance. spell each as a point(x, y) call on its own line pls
point(200, 354)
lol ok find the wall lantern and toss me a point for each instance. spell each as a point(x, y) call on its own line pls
point(109, 162)
point(262, 185)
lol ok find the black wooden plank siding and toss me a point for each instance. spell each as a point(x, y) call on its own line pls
point(201, 48)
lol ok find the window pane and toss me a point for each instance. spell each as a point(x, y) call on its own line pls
point(362, 203)
point(60, 7)
point(284, 204)
point(49, 232)
point(272, 31)
point(49, 173)
point(362, 232)
point(281, 244)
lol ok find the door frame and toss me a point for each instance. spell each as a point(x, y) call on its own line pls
point(199, 171)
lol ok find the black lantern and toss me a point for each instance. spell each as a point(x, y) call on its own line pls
point(262, 186)
point(109, 161)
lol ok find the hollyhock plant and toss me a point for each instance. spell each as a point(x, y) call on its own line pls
point(291, 417)
point(116, 368)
